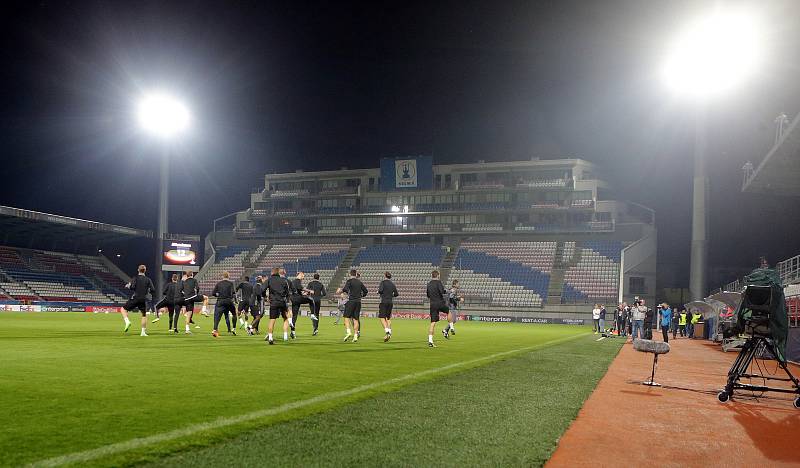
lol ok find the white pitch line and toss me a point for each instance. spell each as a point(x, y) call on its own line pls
point(127, 445)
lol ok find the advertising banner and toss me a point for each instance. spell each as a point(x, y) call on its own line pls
point(181, 255)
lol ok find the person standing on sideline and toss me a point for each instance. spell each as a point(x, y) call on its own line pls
point(674, 324)
point(224, 291)
point(682, 322)
point(648, 323)
point(454, 298)
point(141, 286)
point(387, 291)
point(666, 320)
point(278, 290)
point(696, 316)
point(438, 297)
point(602, 318)
point(317, 293)
point(355, 290)
point(596, 318)
point(638, 312)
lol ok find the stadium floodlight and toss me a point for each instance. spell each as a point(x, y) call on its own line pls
point(714, 54)
point(395, 209)
point(162, 115)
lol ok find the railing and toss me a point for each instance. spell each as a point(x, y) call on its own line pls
point(789, 269)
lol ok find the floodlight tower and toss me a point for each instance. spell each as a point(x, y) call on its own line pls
point(713, 55)
point(163, 117)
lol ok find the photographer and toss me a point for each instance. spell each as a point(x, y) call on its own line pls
point(648, 323)
point(666, 320)
point(638, 312)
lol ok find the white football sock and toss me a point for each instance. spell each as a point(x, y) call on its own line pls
point(451, 326)
point(348, 331)
point(270, 337)
point(127, 320)
point(430, 338)
point(204, 309)
point(285, 336)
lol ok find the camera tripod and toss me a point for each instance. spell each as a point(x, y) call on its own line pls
point(755, 347)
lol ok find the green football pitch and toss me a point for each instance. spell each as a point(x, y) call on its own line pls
point(77, 391)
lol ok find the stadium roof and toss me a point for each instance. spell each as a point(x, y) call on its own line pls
point(18, 226)
point(779, 172)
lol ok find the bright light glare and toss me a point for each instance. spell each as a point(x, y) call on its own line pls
point(395, 209)
point(162, 115)
point(714, 55)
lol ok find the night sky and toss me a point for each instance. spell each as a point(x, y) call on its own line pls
point(281, 86)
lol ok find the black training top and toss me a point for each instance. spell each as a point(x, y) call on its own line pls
point(278, 289)
point(247, 290)
point(355, 289)
point(171, 292)
point(387, 290)
point(224, 290)
point(141, 285)
point(436, 292)
point(258, 291)
point(297, 287)
point(190, 288)
point(318, 289)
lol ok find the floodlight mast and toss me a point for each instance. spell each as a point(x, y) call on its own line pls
point(714, 55)
point(163, 117)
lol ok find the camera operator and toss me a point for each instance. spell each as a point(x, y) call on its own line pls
point(648, 323)
point(638, 312)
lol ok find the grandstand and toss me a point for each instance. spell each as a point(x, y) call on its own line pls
point(534, 237)
point(52, 275)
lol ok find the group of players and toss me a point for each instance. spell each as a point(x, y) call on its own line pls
point(280, 297)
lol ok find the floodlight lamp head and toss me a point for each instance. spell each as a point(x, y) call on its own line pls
point(714, 55)
point(162, 115)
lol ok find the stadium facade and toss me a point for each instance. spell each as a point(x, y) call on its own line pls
point(535, 237)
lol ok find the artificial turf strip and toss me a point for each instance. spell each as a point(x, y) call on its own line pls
point(509, 413)
point(72, 382)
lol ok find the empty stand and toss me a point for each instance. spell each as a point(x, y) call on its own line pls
point(308, 258)
point(505, 274)
point(595, 276)
point(57, 276)
point(230, 259)
point(410, 265)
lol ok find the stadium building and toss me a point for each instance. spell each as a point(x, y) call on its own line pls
point(542, 238)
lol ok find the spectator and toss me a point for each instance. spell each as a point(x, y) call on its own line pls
point(666, 320)
point(596, 318)
point(602, 318)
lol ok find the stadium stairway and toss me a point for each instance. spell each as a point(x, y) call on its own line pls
point(448, 261)
point(342, 270)
point(556, 287)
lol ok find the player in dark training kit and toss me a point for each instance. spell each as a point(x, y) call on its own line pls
point(168, 302)
point(278, 291)
point(388, 291)
point(224, 291)
point(257, 304)
point(438, 297)
point(288, 318)
point(190, 291)
point(245, 289)
point(355, 290)
point(300, 297)
point(317, 293)
point(141, 286)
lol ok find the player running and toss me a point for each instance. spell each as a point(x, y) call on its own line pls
point(300, 297)
point(168, 302)
point(191, 295)
point(278, 290)
point(141, 286)
point(317, 293)
point(438, 297)
point(257, 305)
point(454, 298)
point(245, 290)
point(355, 290)
point(224, 291)
point(288, 316)
point(388, 291)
